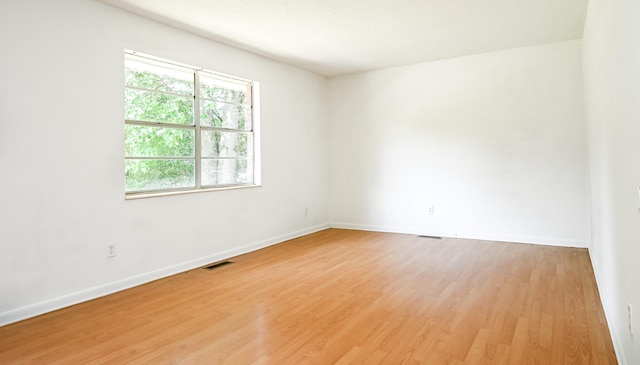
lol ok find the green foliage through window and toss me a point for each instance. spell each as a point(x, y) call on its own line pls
point(162, 148)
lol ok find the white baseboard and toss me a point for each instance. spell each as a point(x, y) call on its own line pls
point(477, 236)
point(50, 305)
point(606, 305)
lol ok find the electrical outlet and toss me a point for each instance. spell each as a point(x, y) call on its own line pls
point(432, 210)
point(111, 249)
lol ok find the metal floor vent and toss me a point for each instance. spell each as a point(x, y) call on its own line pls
point(217, 264)
point(434, 237)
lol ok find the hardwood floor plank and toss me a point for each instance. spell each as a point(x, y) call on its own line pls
point(346, 297)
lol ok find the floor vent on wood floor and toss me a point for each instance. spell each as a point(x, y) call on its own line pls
point(434, 237)
point(217, 264)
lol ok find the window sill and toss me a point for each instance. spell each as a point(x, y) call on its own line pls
point(144, 195)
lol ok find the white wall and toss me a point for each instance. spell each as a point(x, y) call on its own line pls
point(61, 154)
point(495, 142)
point(612, 98)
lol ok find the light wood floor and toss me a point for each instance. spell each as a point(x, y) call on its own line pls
point(342, 297)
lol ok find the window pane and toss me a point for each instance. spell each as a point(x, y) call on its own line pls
point(224, 115)
point(226, 144)
point(147, 141)
point(157, 107)
point(226, 172)
point(143, 175)
point(147, 76)
point(223, 90)
point(175, 142)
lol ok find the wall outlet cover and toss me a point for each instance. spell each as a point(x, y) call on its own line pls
point(111, 249)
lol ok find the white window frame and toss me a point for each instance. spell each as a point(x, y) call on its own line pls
point(254, 115)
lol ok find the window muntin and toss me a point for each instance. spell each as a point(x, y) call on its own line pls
point(171, 147)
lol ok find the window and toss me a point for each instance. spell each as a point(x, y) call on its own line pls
point(187, 129)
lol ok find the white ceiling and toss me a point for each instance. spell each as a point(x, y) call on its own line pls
point(335, 37)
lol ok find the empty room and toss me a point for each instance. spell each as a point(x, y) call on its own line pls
point(319, 182)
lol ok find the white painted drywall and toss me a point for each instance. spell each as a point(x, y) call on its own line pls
point(495, 142)
point(342, 37)
point(61, 157)
point(612, 99)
